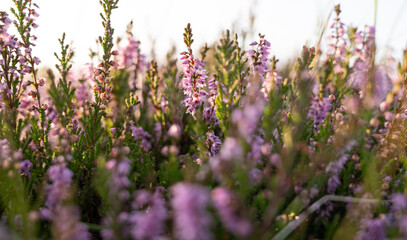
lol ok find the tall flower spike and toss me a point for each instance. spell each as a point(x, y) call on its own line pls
point(102, 87)
point(194, 76)
point(130, 57)
point(258, 57)
point(336, 47)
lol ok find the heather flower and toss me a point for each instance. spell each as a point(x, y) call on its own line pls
point(336, 47)
point(194, 77)
point(336, 167)
point(149, 223)
point(374, 230)
point(227, 206)
point(222, 162)
point(193, 82)
point(191, 219)
point(213, 142)
point(118, 220)
point(399, 202)
point(67, 225)
point(319, 110)
point(58, 190)
point(129, 57)
point(83, 92)
point(359, 78)
point(255, 153)
point(333, 183)
point(258, 57)
point(65, 219)
point(139, 133)
point(246, 119)
point(26, 165)
point(272, 79)
point(174, 131)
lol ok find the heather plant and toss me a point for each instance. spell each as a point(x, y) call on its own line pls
point(221, 143)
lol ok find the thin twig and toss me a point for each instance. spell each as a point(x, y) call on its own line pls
point(315, 206)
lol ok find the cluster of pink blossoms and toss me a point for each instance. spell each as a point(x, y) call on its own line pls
point(130, 57)
point(193, 81)
point(192, 220)
point(65, 217)
point(259, 57)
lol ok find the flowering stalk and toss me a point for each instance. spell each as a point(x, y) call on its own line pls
point(258, 57)
point(130, 57)
point(13, 64)
point(117, 219)
point(26, 15)
point(65, 218)
point(337, 47)
point(149, 223)
point(102, 88)
point(194, 78)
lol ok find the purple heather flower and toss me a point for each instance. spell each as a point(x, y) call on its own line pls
point(319, 110)
point(255, 175)
point(333, 183)
point(149, 223)
point(374, 230)
point(359, 78)
point(58, 191)
point(67, 225)
point(246, 119)
point(129, 55)
point(26, 165)
point(336, 47)
point(399, 202)
point(83, 92)
point(227, 206)
point(258, 58)
point(118, 221)
point(193, 82)
point(139, 133)
point(191, 218)
point(230, 151)
point(255, 153)
point(213, 142)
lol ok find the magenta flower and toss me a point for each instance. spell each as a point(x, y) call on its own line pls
point(193, 82)
point(227, 206)
point(213, 143)
point(374, 230)
point(149, 223)
point(191, 219)
point(319, 110)
point(139, 133)
point(258, 57)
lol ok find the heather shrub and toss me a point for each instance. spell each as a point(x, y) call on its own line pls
point(221, 143)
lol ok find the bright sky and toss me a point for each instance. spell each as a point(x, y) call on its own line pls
point(287, 24)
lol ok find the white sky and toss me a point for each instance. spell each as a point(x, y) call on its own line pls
point(287, 24)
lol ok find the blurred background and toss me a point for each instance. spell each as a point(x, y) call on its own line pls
point(159, 24)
